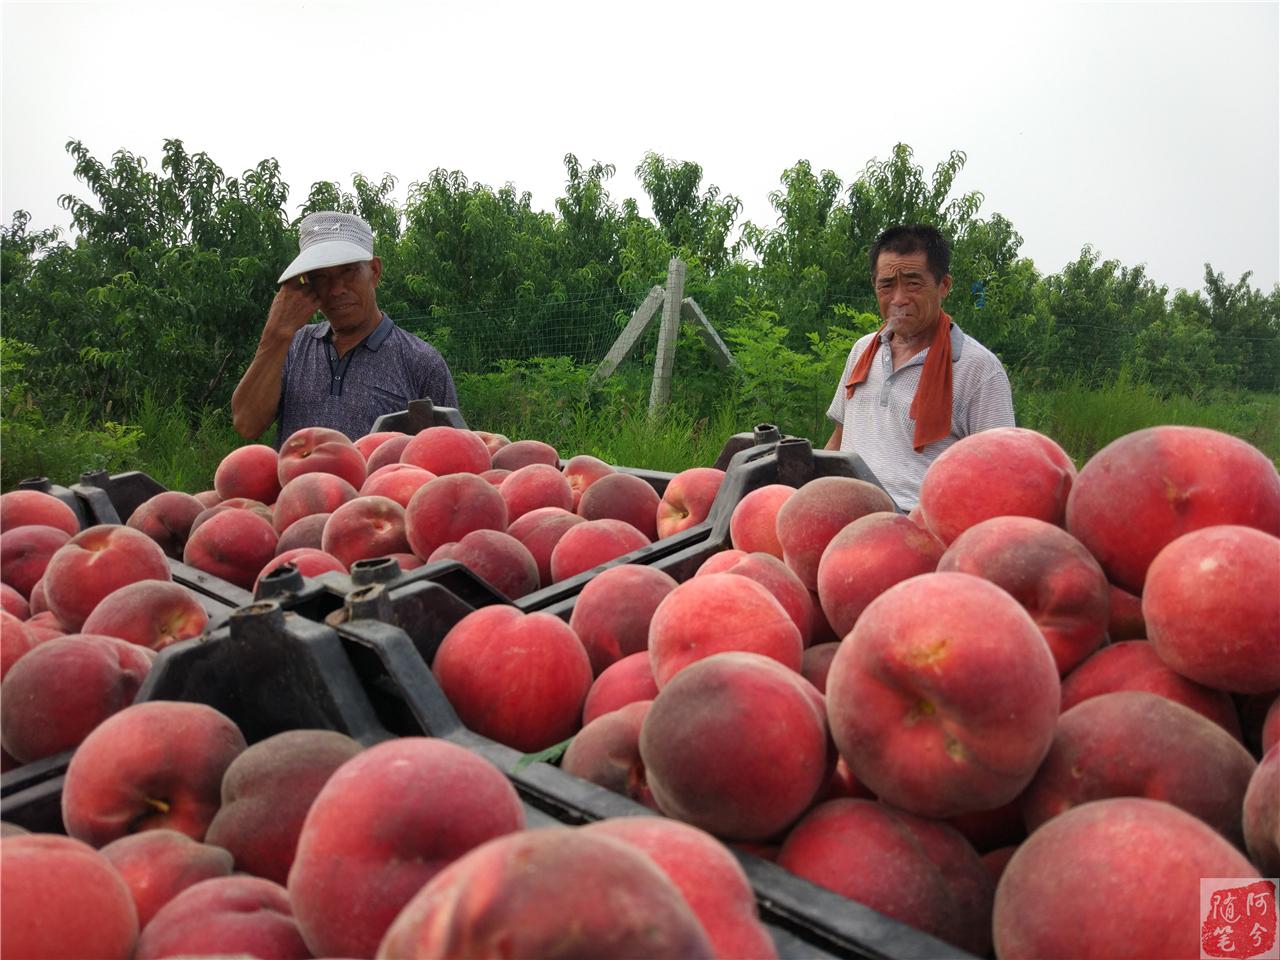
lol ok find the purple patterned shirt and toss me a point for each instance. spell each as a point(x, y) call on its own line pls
point(381, 374)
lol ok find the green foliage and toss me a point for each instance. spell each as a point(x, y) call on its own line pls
point(776, 384)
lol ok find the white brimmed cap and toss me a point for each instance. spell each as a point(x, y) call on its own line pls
point(330, 239)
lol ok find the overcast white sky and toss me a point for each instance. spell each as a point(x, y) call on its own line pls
point(1149, 130)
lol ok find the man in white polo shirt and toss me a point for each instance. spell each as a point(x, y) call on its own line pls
point(919, 383)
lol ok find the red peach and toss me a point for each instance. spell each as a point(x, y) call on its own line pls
point(687, 499)
point(208, 498)
point(918, 871)
point(736, 744)
point(307, 494)
point(606, 752)
point(44, 626)
point(717, 613)
point(493, 442)
point(1048, 571)
point(612, 613)
point(496, 477)
point(1124, 622)
point(153, 764)
point(203, 517)
point(816, 664)
point(1095, 865)
point(449, 507)
point(712, 881)
point(446, 450)
point(781, 581)
point(385, 823)
point(364, 528)
point(387, 452)
point(1135, 744)
point(234, 545)
point(20, 508)
point(372, 441)
point(720, 562)
point(1146, 489)
point(534, 486)
point(497, 558)
point(63, 688)
point(819, 510)
point(15, 640)
point(398, 481)
point(25, 552)
point(591, 544)
point(524, 453)
point(150, 613)
point(517, 678)
point(96, 562)
point(1261, 814)
point(266, 793)
point(62, 900)
point(540, 530)
point(1212, 611)
point(753, 525)
point(250, 471)
point(1271, 726)
point(518, 896)
point(997, 860)
point(582, 471)
point(225, 916)
point(167, 518)
point(157, 865)
point(625, 681)
point(38, 602)
point(625, 497)
point(14, 603)
point(1135, 665)
point(320, 450)
point(865, 559)
point(944, 697)
point(306, 531)
point(1007, 471)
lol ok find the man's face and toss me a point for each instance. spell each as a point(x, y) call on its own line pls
point(910, 298)
point(347, 293)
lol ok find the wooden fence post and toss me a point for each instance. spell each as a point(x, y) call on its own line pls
point(666, 357)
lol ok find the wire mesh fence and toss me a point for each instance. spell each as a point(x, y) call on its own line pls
point(1045, 349)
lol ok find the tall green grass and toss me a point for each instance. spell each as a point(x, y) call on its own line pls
point(159, 439)
point(1084, 420)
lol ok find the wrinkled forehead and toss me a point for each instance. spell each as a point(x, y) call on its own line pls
point(890, 264)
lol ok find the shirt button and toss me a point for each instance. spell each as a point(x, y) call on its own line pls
point(337, 378)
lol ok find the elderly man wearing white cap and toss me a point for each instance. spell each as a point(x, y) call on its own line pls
point(348, 370)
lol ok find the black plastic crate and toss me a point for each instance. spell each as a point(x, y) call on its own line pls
point(418, 416)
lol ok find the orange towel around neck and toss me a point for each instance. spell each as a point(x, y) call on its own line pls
point(931, 406)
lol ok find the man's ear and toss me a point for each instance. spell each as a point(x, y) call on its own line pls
point(945, 286)
point(375, 267)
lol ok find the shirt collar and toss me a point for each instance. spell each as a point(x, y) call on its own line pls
point(957, 343)
point(373, 341)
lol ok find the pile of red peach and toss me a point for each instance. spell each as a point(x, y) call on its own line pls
point(1029, 714)
point(184, 841)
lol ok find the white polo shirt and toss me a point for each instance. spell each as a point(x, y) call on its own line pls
point(877, 424)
